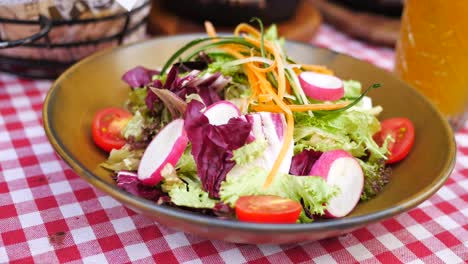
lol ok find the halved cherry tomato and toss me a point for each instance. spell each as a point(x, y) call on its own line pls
point(107, 127)
point(267, 209)
point(402, 130)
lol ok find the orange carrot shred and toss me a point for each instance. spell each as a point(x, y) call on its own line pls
point(317, 68)
point(210, 30)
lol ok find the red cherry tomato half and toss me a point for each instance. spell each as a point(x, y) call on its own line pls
point(107, 126)
point(402, 131)
point(267, 209)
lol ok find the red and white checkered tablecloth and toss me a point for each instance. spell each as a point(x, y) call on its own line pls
point(50, 215)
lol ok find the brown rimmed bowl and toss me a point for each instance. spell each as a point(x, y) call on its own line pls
point(95, 83)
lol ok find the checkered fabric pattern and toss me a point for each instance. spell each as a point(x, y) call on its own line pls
point(49, 215)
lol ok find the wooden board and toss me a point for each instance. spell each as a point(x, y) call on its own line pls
point(302, 27)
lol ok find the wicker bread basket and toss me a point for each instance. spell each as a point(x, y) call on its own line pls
point(41, 38)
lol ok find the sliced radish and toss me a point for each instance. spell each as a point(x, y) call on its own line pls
point(321, 86)
point(272, 128)
point(166, 148)
point(341, 169)
point(219, 113)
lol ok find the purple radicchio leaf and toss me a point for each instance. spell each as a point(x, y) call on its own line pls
point(172, 80)
point(212, 146)
point(129, 182)
point(151, 98)
point(208, 88)
point(302, 163)
point(174, 104)
point(139, 76)
point(224, 211)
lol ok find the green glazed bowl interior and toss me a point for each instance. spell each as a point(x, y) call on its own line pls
point(95, 83)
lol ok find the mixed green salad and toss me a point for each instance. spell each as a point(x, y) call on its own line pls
point(234, 128)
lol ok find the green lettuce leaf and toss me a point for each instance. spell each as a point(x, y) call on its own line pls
point(185, 190)
point(161, 77)
point(271, 34)
point(303, 218)
point(134, 127)
point(136, 101)
point(351, 130)
point(313, 192)
point(123, 159)
point(238, 87)
point(186, 164)
point(236, 90)
point(376, 176)
point(250, 152)
point(219, 64)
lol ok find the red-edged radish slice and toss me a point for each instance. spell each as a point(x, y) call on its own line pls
point(219, 113)
point(321, 86)
point(166, 148)
point(339, 168)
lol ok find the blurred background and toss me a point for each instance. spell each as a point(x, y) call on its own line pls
point(297, 19)
point(42, 38)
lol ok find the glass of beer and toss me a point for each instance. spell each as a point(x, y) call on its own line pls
point(432, 54)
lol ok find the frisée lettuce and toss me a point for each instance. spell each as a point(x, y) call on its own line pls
point(312, 191)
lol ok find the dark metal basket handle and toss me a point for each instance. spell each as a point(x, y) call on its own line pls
point(46, 25)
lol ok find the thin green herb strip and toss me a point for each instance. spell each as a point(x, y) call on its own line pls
point(373, 86)
point(294, 88)
point(289, 60)
point(186, 47)
point(180, 51)
point(270, 76)
point(272, 80)
point(239, 41)
point(262, 36)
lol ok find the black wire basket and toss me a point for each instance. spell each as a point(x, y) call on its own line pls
point(57, 44)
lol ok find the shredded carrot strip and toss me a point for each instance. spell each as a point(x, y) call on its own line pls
point(267, 69)
point(279, 62)
point(266, 108)
point(246, 28)
point(210, 30)
point(264, 98)
point(268, 89)
point(239, 49)
point(300, 108)
point(266, 44)
point(254, 83)
point(297, 71)
point(288, 88)
point(284, 149)
point(317, 107)
point(233, 51)
point(317, 68)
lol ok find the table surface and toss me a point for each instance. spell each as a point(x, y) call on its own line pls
point(50, 215)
